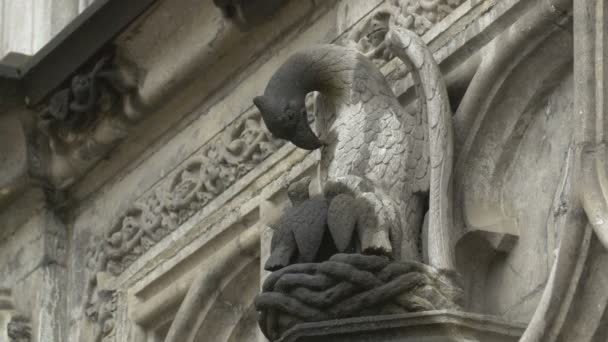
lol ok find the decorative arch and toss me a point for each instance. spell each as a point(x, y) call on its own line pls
point(527, 64)
point(236, 262)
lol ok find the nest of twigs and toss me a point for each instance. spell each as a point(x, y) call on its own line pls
point(352, 285)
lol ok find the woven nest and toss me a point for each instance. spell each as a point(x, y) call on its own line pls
point(352, 285)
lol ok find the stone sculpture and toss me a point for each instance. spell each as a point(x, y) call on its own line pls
point(378, 163)
point(373, 149)
point(351, 285)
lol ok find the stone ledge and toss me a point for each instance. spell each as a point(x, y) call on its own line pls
point(430, 326)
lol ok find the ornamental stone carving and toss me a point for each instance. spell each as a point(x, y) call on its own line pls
point(219, 164)
point(83, 121)
point(19, 329)
point(379, 165)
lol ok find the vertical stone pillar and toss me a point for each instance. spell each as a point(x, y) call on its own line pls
point(35, 265)
point(50, 279)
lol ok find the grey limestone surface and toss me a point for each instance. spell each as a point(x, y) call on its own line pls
point(180, 213)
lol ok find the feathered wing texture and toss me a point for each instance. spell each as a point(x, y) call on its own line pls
point(341, 221)
point(396, 146)
point(308, 222)
point(371, 136)
point(371, 139)
point(435, 104)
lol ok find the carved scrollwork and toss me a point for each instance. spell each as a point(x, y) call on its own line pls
point(101, 313)
point(415, 15)
point(198, 181)
point(83, 121)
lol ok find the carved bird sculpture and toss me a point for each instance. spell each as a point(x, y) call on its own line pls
point(385, 158)
point(300, 231)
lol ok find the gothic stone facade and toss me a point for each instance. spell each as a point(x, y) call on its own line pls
point(139, 200)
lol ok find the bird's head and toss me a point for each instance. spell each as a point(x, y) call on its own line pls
point(287, 119)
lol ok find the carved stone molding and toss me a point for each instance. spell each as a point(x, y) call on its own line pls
point(201, 178)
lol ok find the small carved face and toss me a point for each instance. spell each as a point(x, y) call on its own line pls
point(80, 86)
point(378, 27)
point(288, 120)
point(129, 226)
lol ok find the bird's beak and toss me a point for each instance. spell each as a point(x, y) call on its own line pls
point(304, 136)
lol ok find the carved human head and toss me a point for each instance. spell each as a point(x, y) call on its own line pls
point(378, 27)
point(288, 119)
point(80, 87)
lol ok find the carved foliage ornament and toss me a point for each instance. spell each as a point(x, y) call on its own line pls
point(202, 178)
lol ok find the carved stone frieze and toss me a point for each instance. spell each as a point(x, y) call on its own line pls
point(101, 312)
point(415, 15)
point(219, 164)
point(202, 178)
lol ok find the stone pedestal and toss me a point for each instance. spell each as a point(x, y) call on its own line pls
point(432, 326)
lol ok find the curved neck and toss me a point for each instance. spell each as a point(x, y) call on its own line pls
point(315, 69)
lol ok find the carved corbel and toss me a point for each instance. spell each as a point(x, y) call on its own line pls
point(83, 121)
point(594, 155)
point(246, 14)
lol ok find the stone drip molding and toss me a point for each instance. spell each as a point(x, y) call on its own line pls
point(415, 15)
point(218, 165)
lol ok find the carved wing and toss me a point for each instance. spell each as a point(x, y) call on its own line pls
point(432, 93)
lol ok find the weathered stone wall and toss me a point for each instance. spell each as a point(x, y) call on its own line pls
point(186, 198)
